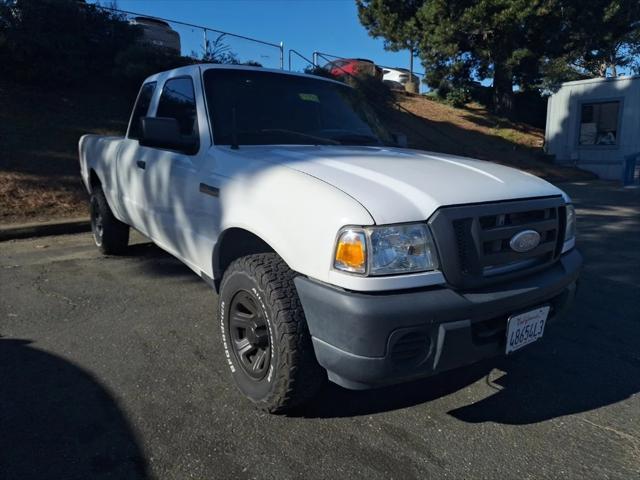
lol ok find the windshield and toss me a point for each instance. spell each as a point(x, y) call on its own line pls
point(249, 107)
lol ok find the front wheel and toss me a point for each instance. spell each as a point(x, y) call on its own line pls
point(266, 341)
point(109, 233)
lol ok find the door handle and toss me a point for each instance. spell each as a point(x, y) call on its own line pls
point(141, 164)
point(209, 190)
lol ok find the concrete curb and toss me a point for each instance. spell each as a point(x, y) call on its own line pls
point(42, 229)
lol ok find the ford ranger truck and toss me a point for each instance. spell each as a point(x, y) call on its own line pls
point(335, 252)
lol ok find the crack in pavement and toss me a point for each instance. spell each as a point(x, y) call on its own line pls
point(38, 284)
point(632, 439)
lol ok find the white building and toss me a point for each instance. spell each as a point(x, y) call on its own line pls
point(595, 124)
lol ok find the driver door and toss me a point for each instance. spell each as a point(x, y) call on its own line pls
point(171, 176)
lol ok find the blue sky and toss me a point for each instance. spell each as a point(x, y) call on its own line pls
point(330, 26)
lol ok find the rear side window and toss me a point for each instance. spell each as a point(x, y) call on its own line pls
point(141, 108)
point(178, 101)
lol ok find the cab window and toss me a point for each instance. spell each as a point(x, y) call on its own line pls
point(141, 108)
point(178, 101)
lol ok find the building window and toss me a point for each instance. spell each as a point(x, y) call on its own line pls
point(599, 123)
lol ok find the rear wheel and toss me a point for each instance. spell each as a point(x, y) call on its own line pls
point(109, 233)
point(265, 337)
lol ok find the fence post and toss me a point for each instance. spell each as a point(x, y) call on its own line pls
point(204, 50)
point(282, 57)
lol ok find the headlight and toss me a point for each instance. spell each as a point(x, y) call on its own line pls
point(570, 229)
point(387, 250)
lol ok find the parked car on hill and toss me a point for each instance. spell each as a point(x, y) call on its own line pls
point(334, 252)
point(399, 75)
point(158, 33)
point(353, 66)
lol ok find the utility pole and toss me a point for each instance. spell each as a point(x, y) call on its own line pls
point(411, 86)
point(411, 63)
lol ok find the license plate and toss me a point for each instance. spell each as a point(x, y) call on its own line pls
point(526, 328)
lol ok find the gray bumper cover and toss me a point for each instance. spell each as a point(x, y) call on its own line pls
point(366, 340)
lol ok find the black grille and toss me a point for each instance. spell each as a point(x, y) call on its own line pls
point(473, 240)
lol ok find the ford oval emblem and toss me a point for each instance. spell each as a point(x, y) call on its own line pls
point(525, 241)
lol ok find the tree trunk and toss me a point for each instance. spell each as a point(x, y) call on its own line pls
point(502, 89)
point(411, 63)
point(411, 86)
point(602, 69)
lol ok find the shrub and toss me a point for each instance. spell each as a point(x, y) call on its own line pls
point(458, 97)
point(60, 42)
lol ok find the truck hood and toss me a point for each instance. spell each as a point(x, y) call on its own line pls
point(402, 185)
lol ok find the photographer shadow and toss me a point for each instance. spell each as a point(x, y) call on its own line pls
point(58, 422)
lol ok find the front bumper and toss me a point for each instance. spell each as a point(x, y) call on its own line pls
point(366, 340)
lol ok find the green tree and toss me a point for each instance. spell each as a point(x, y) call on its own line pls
point(603, 37)
point(459, 41)
point(514, 42)
point(395, 21)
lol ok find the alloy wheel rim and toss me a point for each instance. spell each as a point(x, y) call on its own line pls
point(249, 334)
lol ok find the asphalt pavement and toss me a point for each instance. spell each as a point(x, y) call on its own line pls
point(110, 367)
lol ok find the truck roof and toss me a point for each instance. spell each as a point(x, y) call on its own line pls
point(197, 69)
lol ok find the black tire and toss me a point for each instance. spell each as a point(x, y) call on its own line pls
point(259, 303)
point(109, 233)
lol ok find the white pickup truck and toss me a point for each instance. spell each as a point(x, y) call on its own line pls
point(334, 252)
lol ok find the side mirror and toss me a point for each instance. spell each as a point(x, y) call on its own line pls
point(163, 132)
point(400, 139)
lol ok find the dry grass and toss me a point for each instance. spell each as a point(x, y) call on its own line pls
point(39, 132)
point(28, 197)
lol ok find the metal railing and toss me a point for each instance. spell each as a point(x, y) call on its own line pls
point(207, 41)
point(325, 56)
point(298, 54)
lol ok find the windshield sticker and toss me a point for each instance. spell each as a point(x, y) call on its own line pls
point(309, 97)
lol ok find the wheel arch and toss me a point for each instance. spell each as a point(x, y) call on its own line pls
point(94, 180)
point(233, 243)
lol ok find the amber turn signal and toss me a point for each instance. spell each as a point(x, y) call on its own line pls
point(351, 252)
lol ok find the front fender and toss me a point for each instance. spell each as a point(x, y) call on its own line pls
point(296, 214)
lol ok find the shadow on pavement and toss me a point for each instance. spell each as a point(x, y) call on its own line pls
point(58, 422)
point(587, 363)
point(337, 402)
point(160, 263)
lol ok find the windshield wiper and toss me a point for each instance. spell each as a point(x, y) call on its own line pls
point(324, 140)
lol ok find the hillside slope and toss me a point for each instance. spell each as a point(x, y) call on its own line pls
point(39, 132)
point(474, 132)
